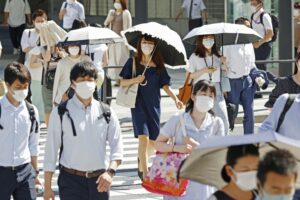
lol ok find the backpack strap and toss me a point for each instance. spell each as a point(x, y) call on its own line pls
point(1, 127)
point(62, 109)
point(285, 109)
point(32, 115)
point(261, 17)
point(65, 4)
point(105, 112)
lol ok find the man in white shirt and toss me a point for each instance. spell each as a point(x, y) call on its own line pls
point(31, 46)
point(86, 125)
point(261, 22)
point(19, 134)
point(14, 17)
point(71, 10)
point(196, 11)
point(240, 60)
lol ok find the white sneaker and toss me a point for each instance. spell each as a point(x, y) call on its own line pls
point(16, 51)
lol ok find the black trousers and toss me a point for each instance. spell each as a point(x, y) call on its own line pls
point(194, 23)
point(72, 187)
point(19, 183)
point(15, 34)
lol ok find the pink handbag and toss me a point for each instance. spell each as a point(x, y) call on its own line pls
point(162, 176)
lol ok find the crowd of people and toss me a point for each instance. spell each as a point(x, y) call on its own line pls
point(61, 85)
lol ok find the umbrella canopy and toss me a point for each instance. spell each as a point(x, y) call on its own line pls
point(225, 34)
point(204, 165)
point(170, 43)
point(91, 35)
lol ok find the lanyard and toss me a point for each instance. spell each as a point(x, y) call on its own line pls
point(212, 64)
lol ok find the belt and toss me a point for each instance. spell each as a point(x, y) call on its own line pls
point(14, 168)
point(87, 174)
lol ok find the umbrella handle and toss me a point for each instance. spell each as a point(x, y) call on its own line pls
point(144, 84)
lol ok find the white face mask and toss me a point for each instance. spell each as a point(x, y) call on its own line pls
point(74, 51)
point(85, 89)
point(147, 49)
point(204, 103)
point(246, 181)
point(70, 1)
point(38, 25)
point(117, 6)
point(266, 196)
point(20, 95)
point(208, 43)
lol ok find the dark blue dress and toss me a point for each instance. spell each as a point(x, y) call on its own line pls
point(146, 114)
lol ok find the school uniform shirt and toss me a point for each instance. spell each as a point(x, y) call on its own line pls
point(73, 11)
point(197, 7)
point(240, 59)
point(87, 150)
point(17, 10)
point(210, 127)
point(196, 63)
point(260, 28)
point(17, 144)
point(290, 126)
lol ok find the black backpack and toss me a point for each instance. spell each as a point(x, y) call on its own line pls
point(32, 118)
point(287, 106)
point(275, 24)
point(62, 109)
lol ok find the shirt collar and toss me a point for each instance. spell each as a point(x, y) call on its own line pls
point(6, 103)
point(190, 123)
point(79, 104)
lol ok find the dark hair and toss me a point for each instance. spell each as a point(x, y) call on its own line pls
point(77, 24)
point(67, 48)
point(278, 161)
point(16, 71)
point(123, 3)
point(156, 58)
point(202, 85)
point(241, 20)
point(201, 50)
point(296, 67)
point(39, 13)
point(82, 69)
point(236, 152)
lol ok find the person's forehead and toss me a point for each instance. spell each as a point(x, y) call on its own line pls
point(275, 179)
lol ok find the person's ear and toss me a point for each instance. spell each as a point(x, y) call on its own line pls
point(193, 97)
point(229, 171)
point(73, 83)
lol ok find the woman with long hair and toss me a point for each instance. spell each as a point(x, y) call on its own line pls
point(118, 19)
point(289, 84)
point(146, 114)
point(240, 173)
point(207, 64)
point(199, 123)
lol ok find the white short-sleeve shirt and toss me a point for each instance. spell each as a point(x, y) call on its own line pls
point(73, 11)
point(260, 28)
point(197, 7)
point(17, 10)
point(197, 63)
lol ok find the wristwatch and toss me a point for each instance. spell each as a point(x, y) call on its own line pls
point(111, 172)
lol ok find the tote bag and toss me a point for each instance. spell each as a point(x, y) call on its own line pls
point(186, 91)
point(126, 96)
point(162, 176)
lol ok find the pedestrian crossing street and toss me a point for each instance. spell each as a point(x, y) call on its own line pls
point(126, 184)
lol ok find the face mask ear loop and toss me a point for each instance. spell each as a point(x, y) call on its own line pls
point(147, 65)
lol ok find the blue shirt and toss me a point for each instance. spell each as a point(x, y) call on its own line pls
point(87, 150)
point(291, 124)
point(17, 144)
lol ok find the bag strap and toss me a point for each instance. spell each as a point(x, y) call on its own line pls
point(182, 123)
point(188, 79)
point(105, 112)
point(32, 117)
point(286, 108)
point(1, 127)
point(133, 68)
